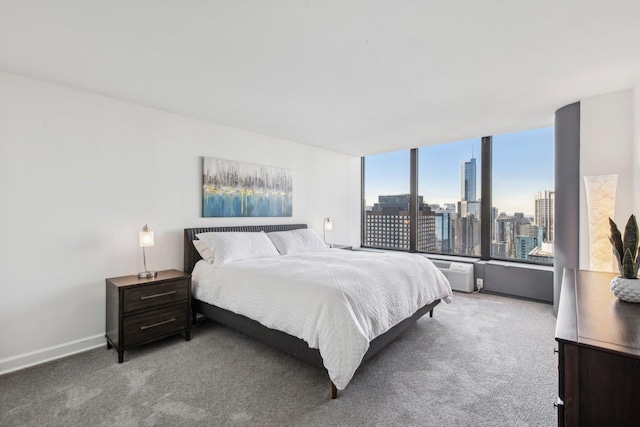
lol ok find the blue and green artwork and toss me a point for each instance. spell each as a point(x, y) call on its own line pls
point(235, 189)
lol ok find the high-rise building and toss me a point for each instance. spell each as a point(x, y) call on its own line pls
point(426, 229)
point(545, 214)
point(394, 203)
point(494, 229)
point(466, 229)
point(467, 235)
point(387, 225)
point(444, 230)
point(520, 237)
point(467, 207)
point(468, 181)
point(531, 230)
point(524, 245)
point(387, 230)
point(515, 236)
point(506, 234)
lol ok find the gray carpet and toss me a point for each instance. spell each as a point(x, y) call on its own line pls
point(481, 361)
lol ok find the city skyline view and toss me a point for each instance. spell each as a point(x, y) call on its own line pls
point(449, 216)
point(523, 165)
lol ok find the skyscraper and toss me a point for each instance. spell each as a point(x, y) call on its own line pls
point(468, 181)
point(467, 235)
point(494, 228)
point(466, 228)
point(506, 234)
point(444, 220)
point(545, 214)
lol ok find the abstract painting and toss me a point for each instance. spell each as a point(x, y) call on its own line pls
point(236, 189)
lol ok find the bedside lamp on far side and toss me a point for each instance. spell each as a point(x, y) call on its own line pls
point(328, 225)
point(146, 240)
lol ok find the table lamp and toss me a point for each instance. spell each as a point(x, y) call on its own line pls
point(328, 225)
point(146, 240)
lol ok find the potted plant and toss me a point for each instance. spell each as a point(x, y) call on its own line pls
point(626, 286)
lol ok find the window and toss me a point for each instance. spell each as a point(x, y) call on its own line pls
point(387, 199)
point(519, 226)
point(449, 198)
point(523, 196)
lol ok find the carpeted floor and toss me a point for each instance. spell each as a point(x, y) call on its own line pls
point(481, 361)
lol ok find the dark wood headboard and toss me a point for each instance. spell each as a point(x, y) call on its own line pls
point(191, 255)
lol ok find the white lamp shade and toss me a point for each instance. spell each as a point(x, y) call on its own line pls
point(601, 203)
point(328, 224)
point(146, 239)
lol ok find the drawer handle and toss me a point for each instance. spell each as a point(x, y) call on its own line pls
point(142, 328)
point(157, 295)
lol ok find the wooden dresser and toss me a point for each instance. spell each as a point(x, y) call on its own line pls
point(144, 310)
point(599, 353)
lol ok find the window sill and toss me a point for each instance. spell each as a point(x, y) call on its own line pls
point(451, 258)
point(365, 249)
point(519, 265)
point(441, 257)
point(466, 259)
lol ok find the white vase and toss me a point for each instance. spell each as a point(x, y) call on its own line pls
point(626, 289)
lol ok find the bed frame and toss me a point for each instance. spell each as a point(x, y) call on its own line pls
point(279, 340)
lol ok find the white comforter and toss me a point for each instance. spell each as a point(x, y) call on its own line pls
point(335, 300)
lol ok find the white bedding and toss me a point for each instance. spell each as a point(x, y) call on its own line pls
point(335, 300)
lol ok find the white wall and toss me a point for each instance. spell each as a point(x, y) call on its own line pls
point(636, 149)
point(606, 147)
point(80, 174)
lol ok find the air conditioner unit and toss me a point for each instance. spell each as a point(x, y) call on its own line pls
point(460, 275)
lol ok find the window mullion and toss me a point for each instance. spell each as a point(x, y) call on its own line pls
point(363, 205)
point(413, 201)
point(485, 205)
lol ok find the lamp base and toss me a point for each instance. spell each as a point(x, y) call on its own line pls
point(147, 274)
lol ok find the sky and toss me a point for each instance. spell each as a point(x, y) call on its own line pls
point(523, 164)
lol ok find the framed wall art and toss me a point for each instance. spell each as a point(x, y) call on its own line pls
point(237, 189)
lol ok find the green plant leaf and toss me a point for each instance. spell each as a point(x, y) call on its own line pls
point(628, 266)
point(630, 240)
point(616, 241)
point(615, 252)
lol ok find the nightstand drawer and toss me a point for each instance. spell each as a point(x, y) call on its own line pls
point(154, 324)
point(141, 297)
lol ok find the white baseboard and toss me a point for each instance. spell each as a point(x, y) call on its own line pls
point(37, 357)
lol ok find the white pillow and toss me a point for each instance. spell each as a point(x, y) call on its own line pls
point(204, 250)
point(236, 246)
point(291, 242)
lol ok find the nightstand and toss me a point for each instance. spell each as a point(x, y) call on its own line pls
point(345, 247)
point(143, 310)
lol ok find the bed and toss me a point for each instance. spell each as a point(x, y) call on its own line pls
point(277, 336)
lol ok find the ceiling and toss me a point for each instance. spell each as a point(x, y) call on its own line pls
point(359, 77)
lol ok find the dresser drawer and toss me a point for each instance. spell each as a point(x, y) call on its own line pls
point(155, 324)
point(141, 297)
